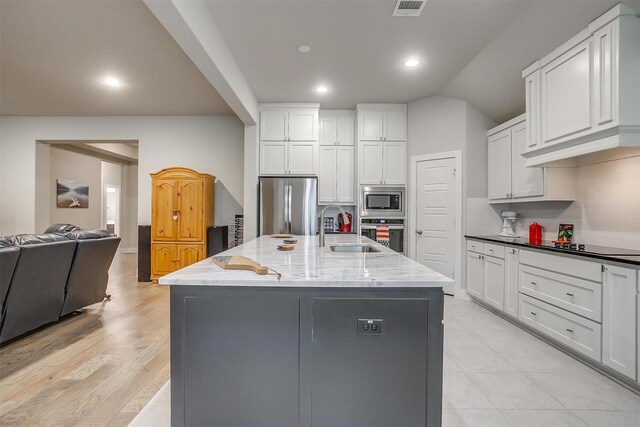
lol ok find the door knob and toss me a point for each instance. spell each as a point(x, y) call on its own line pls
point(418, 231)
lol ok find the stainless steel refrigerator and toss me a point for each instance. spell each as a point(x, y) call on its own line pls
point(288, 205)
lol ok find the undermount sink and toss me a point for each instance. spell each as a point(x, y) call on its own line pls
point(353, 248)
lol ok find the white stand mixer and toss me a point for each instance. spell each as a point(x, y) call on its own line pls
point(509, 219)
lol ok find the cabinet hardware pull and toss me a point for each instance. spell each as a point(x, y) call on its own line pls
point(418, 231)
point(570, 330)
point(569, 294)
point(534, 313)
point(534, 283)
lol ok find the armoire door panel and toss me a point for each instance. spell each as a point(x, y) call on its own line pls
point(190, 211)
point(165, 194)
point(190, 254)
point(164, 259)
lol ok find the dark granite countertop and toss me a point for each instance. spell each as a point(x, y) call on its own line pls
point(605, 253)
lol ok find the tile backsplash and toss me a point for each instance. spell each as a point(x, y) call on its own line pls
point(606, 210)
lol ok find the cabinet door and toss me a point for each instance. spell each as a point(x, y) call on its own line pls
point(499, 163)
point(273, 125)
point(475, 274)
point(370, 161)
point(605, 89)
point(566, 94)
point(494, 282)
point(370, 125)
point(395, 126)
point(273, 158)
point(395, 163)
point(190, 211)
point(345, 176)
point(619, 324)
point(164, 259)
point(303, 125)
point(328, 131)
point(302, 158)
point(189, 254)
point(532, 94)
point(511, 282)
point(346, 127)
point(525, 182)
point(327, 174)
point(164, 204)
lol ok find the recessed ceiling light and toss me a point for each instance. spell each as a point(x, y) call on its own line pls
point(112, 82)
point(411, 62)
point(303, 48)
point(322, 89)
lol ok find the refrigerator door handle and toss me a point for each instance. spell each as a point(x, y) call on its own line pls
point(288, 207)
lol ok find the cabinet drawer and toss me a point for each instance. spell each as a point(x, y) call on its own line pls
point(494, 250)
point(475, 246)
point(563, 264)
point(580, 334)
point(575, 295)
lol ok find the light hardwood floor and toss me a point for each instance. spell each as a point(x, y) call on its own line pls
point(98, 368)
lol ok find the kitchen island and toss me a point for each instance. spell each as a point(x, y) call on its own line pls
point(341, 339)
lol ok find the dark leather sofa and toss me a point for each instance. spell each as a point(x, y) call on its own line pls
point(46, 276)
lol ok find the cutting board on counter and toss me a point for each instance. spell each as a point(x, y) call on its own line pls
point(238, 262)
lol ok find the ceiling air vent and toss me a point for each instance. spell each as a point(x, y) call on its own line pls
point(408, 8)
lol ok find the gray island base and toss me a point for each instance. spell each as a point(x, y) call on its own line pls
point(342, 339)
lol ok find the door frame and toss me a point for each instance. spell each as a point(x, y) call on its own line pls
point(413, 196)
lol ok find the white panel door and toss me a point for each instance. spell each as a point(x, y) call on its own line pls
point(475, 274)
point(566, 94)
point(435, 212)
point(494, 282)
point(619, 324)
point(303, 125)
point(302, 158)
point(273, 125)
point(395, 163)
point(499, 164)
point(511, 281)
point(395, 126)
point(273, 158)
point(370, 163)
point(327, 174)
point(371, 125)
point(525, 182)
point(346, 130)
point(328, 131)
point(345, 175)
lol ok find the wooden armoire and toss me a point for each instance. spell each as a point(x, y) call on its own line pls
point(182, 202)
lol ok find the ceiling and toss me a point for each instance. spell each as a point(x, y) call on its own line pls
point(54, 54)
point(471, 49)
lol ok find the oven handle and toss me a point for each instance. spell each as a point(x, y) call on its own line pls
point(391, 227)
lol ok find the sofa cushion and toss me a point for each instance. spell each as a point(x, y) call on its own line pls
point(87, 234)
point(61, 228)
point(31, 239)
point(5, 242)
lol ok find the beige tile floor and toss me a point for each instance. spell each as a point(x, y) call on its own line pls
point(496, 374)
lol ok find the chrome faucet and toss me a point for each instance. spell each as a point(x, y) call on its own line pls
point(345, 219)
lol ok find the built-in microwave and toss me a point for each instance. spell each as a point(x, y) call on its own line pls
point(382, 202)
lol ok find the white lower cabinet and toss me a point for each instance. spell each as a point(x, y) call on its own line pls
point(619, 319)
point(511, 282)
point(494, 282)
point(582, 335)
point(475, 274)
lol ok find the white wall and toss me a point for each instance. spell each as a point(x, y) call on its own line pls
point(606, 210)
point(75, 167)
point(210, 144)
point(129, 214)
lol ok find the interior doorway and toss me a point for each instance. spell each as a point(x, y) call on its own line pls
point(112, 209)
point(436, 213)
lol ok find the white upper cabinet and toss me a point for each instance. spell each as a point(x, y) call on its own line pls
point(346, 130)
point(328, 131)
point(288, 139)
point(345, 175)
point(584, 97)
point(382, 122)
point(337, 129)
point(370, 160)
point(336, 172)
point(510, 180)
point(395, 163)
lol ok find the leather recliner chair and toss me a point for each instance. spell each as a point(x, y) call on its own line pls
point(36, 293)
point(89, 274)
point(8, 259)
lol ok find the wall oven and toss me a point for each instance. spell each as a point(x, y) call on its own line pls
point(369, 226)
point(382, 202)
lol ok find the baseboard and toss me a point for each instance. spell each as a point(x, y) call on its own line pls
point(128, 250)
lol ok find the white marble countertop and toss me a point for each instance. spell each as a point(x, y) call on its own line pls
point(311, 266)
